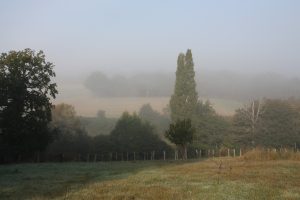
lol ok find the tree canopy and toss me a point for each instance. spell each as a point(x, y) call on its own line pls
point(181, 133)
point(184, 99)
point(26, 90)
point(276, 124)
point(133, 134)
point(158, 120)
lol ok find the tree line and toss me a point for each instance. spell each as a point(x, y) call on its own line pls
point(31, 126)
point(211, 84)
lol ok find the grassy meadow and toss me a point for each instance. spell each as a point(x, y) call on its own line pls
point(214, 178)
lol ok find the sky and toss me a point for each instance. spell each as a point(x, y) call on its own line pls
point(118, 36)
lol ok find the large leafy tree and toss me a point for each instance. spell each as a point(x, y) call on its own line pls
point(181, 133)
point(184, 100)
point(26, 90)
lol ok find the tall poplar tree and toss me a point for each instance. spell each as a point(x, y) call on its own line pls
point(184, 100)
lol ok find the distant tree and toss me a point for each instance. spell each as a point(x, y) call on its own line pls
point(147, 112)
point(71, 138)
point(210, 128)
point(98, 83)
point(101, 114)
point(64, 117)
point(279, 125)
point(101, 85)
point(132, 134)
point(246, 121)
point(159, 121)
point(181, 133)
point(25, 107)
point(275, 123)
point(184, 100)
point(99, 125)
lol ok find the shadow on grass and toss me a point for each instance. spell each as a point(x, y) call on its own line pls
point(50, 180)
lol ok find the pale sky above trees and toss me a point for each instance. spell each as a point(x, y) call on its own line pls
point(125, 36)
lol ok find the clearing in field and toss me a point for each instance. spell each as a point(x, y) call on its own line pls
point(219, 178)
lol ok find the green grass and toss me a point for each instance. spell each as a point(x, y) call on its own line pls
point(55, 179)
point(224, 178)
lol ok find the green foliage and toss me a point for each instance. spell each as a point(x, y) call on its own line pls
point(159, 121)
point(243, 134)
point(132, 134)
point(103, 143)
point(71, 138)
point(64, 117)
point(211, 129)
point(99, 125)
point(180, 133)
point(279, 124)
point(25, 106)
point(184, 100)
point(129, 134)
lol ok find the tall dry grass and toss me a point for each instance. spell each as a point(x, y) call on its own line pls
point(262, 154)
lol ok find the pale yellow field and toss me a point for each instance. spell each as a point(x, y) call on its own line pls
point(87, 105)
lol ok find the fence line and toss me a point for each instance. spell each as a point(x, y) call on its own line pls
point(147, 155)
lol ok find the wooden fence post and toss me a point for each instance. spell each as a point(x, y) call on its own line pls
point(240, 152)
point(228, 153)
point(164, 155)
point(233, 152)
point(200, 153)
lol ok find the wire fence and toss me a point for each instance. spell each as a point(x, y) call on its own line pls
point(112, 156)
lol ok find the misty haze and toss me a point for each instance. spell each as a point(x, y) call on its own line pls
point(226, 89)
point(149, 100)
